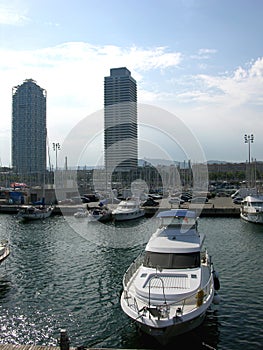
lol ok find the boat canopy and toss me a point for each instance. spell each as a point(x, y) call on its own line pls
point(177, 213)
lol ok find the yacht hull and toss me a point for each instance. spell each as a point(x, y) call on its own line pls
point(165, 330)
point(166, 334)
point(251, 209)
point(4, 251)
point(35, 215)
point(128, 216)
point(256, 218)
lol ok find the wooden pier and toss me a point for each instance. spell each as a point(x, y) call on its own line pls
point(27, 347)
point(63, 344)
point(43, 347)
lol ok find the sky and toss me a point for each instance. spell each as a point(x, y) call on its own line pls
point(200, 61)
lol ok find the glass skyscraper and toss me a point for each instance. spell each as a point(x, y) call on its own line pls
point(120, 121)
point(29, 128)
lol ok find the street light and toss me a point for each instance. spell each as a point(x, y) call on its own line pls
point(249, 139)
point(56, 147)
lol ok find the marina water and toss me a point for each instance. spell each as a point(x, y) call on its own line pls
point(67, 273)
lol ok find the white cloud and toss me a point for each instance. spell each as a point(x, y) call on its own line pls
point(206, 51)
point(73, 68)
point(11, 13)
point(239, 88)
point(204, 54)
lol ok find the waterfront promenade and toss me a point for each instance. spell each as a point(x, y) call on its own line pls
point(218, 206)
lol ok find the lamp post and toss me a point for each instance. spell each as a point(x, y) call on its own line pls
point(249, 139)
point(56, 148)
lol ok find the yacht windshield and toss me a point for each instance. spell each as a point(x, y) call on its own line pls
point(257, 204)
point(172, 261)
point(178, 222)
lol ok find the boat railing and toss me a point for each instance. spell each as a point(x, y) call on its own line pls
point(132, 268)
point(190, 302)
point(205, 258)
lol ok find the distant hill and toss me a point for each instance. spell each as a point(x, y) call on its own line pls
point(217, 162)
point(156, 161)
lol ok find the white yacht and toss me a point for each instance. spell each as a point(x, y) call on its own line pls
point(251, 209)
point(168, 289)
point(128, 210)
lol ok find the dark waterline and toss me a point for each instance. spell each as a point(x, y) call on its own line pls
point(57, 278)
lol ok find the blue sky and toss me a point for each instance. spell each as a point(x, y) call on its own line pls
point(199, 60)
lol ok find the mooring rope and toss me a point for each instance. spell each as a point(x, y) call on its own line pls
point(208, 346)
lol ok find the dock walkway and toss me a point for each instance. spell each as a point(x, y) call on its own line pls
point(27, 347)
point(215, 207)
point(63, 344)
point(218, 207)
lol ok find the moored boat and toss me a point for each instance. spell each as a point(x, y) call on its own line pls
point(29, 213)
point(168, 289)
point(251, 209)
point(128, 210)
point(101, 214)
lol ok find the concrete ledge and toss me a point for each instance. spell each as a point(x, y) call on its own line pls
point(217, 207)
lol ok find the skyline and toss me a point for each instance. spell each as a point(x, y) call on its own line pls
point(199, 60)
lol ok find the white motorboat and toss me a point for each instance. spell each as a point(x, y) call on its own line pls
point(127, 210)
point(251, 209)
point(28, 213)
point(4, 250)
point(168, 289)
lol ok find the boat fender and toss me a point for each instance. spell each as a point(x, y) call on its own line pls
point(200, 297)
point(120, 293)
point(216, 298)
point(216, 280)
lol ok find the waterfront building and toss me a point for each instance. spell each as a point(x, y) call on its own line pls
point(120, 121)
point(29, 129)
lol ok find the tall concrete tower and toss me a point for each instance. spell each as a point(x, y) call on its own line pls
point(120, 121)
point(29, 128)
